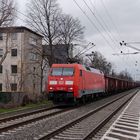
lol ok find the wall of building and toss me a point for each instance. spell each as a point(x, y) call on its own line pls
point(32, 62)
point(27, 60)
point(7, 77)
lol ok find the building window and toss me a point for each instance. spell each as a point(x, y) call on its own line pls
point(33, 56)
point(0, 86)
point(33, 41)
point(13, 87)
point(14, 36)
point(14, 68)
point(13, 52)
point(1, 68)
point(1, 52)
point(1, 36)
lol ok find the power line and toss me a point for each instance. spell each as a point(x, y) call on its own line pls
point(117, 31)
point(106, 30)
point(116, 28)
point(100, 22)
point(110, 35)
point(91, 20)
point(93, 24)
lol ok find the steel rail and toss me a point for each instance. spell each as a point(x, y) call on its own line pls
point(12, 126)
point(105, 121)
point(60, 129)
point(5, 119)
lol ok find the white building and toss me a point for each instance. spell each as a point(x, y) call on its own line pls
point(20, 60)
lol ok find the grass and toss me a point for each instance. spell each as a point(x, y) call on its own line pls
point(30, 105)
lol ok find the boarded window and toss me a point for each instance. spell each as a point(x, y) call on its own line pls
point(13, 68)
point(0, 86)
point(13, 87)
point(14, 36)
point(1, 36)
point(14, 52)
point(33, 56)
point(33, 41)
point(1, 68)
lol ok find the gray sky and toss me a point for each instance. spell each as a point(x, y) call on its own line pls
point(119, 22)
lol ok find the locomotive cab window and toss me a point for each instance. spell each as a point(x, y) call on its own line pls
point(56, 72)
point(68, 71)
point(62, 72)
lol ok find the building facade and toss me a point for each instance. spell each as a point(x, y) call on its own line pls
point(20, 60)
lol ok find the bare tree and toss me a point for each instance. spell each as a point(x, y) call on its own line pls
point(70, 30)
point(7, 12)
point(46, 17)
point(125, 75)
point(7, 16)
point(43, 18)
point(99, 62)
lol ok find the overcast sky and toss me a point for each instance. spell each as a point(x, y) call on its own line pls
point(118, 20)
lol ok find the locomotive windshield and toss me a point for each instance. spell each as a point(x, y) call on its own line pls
point(62, 71)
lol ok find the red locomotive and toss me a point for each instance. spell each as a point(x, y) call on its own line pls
point(74, 82)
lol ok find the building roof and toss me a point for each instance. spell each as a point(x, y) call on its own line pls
point(18, 29)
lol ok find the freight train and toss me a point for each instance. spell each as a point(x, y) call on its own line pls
point(73, 83)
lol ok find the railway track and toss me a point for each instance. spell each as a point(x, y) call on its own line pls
point(33, 126)
point(85, 127)
point(24, 114)
point(15, 121)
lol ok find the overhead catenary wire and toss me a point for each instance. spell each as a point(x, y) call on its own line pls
point(107, 13)
point(84, 51)
point(102, 20)
point(109, 35)
point(115, 40)
point(125, 60)
point(90, 20)
point(115, 27)
point(104, 27)
point(94, 25)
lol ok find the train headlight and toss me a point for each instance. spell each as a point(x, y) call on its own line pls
point(69, 82)
point(51, 88)
point(53, 82)
point(70, 88)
